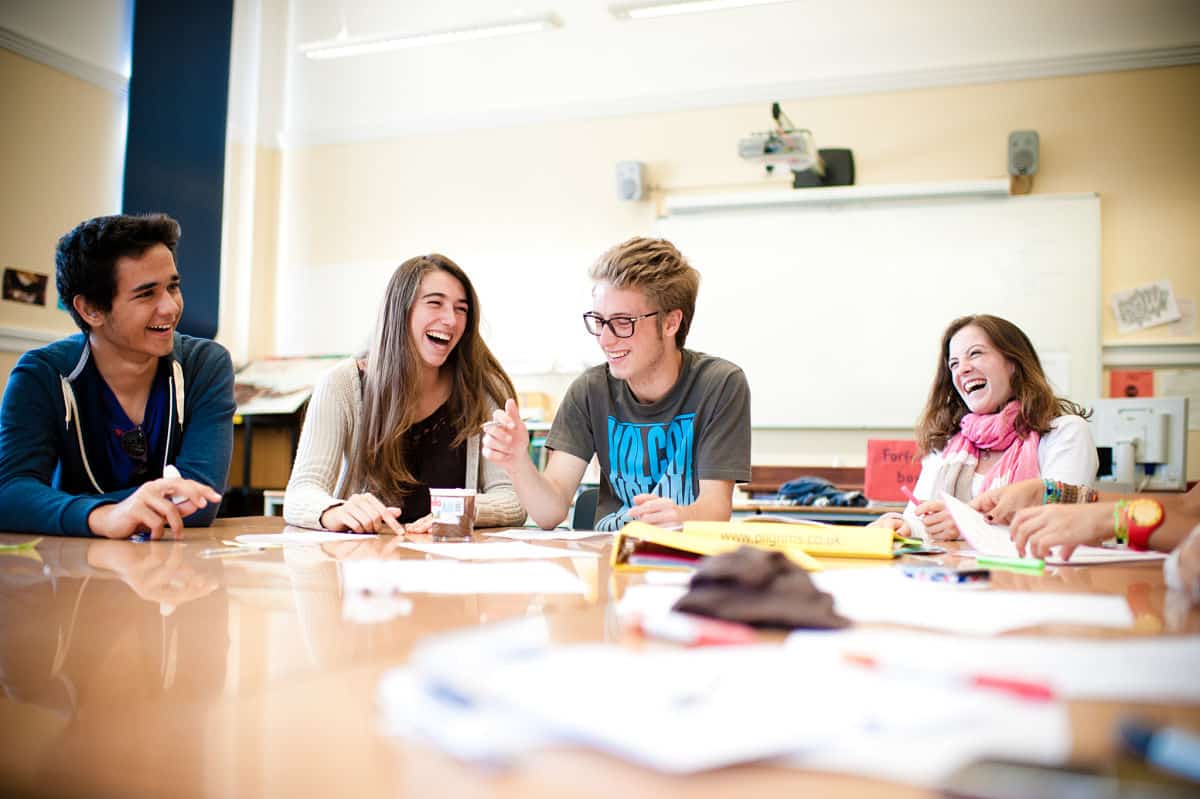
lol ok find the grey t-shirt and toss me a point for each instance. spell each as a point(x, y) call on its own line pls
point(699, 431)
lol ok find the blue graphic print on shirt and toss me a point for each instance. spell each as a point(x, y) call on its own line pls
point(657, 458)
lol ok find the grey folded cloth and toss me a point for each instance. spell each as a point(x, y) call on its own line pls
point(761, 588)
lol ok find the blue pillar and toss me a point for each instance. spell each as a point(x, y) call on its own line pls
point(175, 152)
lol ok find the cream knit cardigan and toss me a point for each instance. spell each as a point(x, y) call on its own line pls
point(318, 480)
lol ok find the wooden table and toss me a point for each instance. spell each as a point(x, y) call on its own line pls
point(143, 670)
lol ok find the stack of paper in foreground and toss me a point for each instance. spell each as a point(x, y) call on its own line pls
point(493, 694)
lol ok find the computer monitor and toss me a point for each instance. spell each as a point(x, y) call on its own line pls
point(1142, 443)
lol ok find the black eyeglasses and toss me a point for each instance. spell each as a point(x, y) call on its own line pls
point(621, 326)
point(134, 444)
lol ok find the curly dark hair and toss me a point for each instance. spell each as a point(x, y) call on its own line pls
point(86, 258)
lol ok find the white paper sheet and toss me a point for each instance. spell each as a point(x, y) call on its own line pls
point(995, 540)
point(297, 536)
point(498, 550)
point(1136, 669)
point(548, 535)
point(495, 693)
point(999, 729)
point(886, 596)
point(386, 577)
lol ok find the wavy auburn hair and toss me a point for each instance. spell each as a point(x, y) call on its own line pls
point(378, 461)
point(1039, 407)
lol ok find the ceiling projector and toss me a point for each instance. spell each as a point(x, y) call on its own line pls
point(794, 148)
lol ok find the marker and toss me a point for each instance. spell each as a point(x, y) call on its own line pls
point(1011, 564)
point(691, 630)
point(1168, 748)
point(940, 574)
point(1015, 687)
point(911, 496)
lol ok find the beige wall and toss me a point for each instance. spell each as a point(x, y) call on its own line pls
point(248, 251)
point(1129, 136)
point(61, 142)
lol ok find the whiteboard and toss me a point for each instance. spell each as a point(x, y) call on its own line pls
point(836, 311)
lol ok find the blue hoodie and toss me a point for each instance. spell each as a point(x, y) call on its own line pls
point(47, 484)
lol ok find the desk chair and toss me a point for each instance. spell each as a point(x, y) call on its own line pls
point(584, 515)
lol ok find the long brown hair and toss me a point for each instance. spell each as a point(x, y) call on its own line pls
point(378, 461)
point(1039, 407)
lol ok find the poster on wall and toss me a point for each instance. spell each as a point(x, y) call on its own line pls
point(26, 287)
point(1145, 306)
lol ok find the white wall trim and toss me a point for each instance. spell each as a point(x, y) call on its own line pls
point(1184, 353)
point(1061, 66)
point(20, 339)
point(681, 203)
point(56, 59)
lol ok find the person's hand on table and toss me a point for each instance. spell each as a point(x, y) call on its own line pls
point(421, 526)
point(362, 513)
point(1036, 530)
point(939, 524)
point(653, 509)
point(999, 505)
point(894, 522)
point(155, 507)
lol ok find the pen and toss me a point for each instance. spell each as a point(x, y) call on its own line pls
point(1011, 564)
point(1015, 687)
point(911, 496)
point(169, 471)
point(1168, 748)
point(230, 552)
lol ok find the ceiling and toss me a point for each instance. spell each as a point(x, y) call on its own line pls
point(597, 65)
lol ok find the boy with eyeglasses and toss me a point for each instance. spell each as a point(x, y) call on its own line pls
point(670, 427)
point(127, 427)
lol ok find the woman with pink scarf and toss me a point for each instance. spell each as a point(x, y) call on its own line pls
point(991, 419)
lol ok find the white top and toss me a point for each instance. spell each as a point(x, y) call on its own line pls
point(1066, 453)
point(318, 480)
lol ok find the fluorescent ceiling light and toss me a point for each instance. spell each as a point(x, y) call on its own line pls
point(344, 47)
point(671, 8)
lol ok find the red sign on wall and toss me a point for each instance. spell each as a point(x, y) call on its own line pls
point(1131, 383)
point(890, 464)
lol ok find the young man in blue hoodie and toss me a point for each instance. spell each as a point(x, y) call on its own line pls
point(126, 427)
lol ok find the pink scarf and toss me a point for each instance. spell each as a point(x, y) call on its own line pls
point(982, 432)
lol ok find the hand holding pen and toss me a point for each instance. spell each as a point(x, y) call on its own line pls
point(153, 508)
point(939, 524)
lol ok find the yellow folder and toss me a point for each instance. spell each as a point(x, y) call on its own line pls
point(680, 548)
point(829, 540)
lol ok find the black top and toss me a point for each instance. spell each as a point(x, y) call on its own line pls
point(433, 461)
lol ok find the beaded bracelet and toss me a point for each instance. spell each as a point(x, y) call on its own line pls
point(1052, 493)
point(1120, 531)
point(1056, 491)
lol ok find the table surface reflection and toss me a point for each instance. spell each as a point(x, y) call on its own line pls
point(140, 670)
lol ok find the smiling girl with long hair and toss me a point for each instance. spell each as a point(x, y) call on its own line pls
point(382, 430)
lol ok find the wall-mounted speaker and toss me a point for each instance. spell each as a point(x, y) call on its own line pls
point(631, 183)
point(1023, 152)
